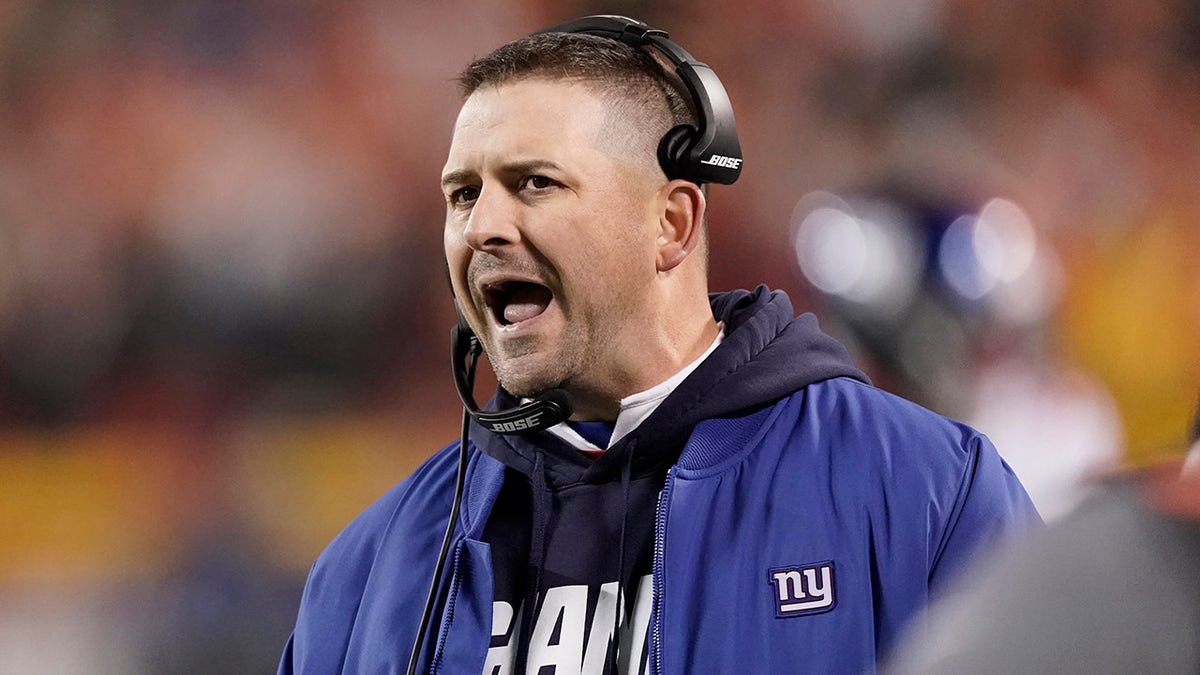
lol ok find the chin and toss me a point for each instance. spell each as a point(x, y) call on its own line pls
point(524, 380)
point(526, 387)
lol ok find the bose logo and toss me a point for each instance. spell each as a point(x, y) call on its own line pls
point(522, 424)
point(723, 161)
point(807, 589)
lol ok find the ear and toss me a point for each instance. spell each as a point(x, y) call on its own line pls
point(681, 222)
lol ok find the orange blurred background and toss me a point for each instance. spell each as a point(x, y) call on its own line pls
point(224, 317)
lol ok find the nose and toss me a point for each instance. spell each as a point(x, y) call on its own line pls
point(494, 221)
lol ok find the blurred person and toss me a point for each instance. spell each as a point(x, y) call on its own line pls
point(951, 304)
point(666, 480)
point(1112, 588)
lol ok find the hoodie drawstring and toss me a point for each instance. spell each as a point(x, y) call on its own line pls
point(540, 492)
point(619, 609)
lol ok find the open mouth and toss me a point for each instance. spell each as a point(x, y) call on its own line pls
point(512, 302)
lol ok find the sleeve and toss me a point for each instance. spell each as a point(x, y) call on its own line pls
point(1110, 588)
point(286, 661)
point(387, 543)
point(991, 510)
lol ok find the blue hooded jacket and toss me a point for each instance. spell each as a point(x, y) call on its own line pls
point(806, 518)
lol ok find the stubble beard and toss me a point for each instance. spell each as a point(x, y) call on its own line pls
point(527, 369)
point(576, 359)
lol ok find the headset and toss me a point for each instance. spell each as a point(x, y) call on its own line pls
point(706, 153)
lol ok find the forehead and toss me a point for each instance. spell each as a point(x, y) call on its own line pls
point(531, 115)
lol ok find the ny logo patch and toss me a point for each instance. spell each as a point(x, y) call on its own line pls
point(804, 589)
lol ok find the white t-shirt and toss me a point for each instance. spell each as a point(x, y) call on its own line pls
point(635, 408)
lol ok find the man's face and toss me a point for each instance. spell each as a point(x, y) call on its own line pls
point(550, 237)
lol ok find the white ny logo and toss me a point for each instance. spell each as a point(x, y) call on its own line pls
point(806, 589)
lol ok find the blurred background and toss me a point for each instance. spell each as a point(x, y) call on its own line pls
point(224, 320)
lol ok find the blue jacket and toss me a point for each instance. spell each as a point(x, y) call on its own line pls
point(799, 535)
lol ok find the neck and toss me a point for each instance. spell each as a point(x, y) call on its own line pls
point(653, 362)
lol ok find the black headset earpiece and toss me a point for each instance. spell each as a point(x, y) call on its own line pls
point(674, 147)
point(707, 153)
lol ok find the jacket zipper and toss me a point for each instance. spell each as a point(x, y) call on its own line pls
point(455, 583)
point(660, 538)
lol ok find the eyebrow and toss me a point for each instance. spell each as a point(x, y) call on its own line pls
point(457, 176)
point(460, 176)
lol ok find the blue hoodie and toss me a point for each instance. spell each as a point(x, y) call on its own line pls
point(802, 518)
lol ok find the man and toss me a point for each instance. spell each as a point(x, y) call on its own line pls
point(730, 494)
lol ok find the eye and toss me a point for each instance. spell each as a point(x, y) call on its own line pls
point(537, 182)
point(463, 195)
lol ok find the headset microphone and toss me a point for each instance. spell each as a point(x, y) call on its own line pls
point(542, 413)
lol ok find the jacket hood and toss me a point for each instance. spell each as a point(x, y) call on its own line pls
point(768, 353)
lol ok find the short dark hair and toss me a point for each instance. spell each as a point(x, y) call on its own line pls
point(632, 79)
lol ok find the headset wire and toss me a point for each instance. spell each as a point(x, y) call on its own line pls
point(459, 483)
